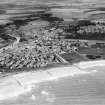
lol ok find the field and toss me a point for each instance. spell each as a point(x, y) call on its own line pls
point(73, 57)
point(93, 53)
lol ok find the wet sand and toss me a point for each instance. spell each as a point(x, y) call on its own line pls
point(15, 85)
point(78, 87)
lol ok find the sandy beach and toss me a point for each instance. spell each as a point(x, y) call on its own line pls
point(15, 85)
point(90, 64)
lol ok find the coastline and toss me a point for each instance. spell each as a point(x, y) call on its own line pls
point(17, 84)
point(90, 64)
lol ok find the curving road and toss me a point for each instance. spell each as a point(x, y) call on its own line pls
point(11, 44)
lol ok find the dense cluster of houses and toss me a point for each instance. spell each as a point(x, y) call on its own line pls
point(38, 51)
point(92, 29)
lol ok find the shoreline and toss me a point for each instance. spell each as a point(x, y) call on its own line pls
point(17, 84)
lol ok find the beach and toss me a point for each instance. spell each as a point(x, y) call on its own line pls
point(15, 85)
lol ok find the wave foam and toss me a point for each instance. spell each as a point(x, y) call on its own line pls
point(11, 88)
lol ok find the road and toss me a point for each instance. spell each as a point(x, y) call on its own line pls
point(91, 41)
point(62, 60)
point(11, 44)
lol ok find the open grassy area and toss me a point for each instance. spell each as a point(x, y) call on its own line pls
point(93, 53)
point(73, 57)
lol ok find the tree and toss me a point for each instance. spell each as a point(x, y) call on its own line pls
point(85, 23)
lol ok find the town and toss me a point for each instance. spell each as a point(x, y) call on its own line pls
point(39, 44)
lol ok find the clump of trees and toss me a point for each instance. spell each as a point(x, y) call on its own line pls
point(50, 18)
point(85, 23)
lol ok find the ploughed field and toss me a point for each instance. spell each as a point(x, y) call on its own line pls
point(24, 9)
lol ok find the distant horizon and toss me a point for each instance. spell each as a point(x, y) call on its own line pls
point(10, 9)
point(51, 1)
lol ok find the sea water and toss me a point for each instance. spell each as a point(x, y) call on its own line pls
point(87, 89)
